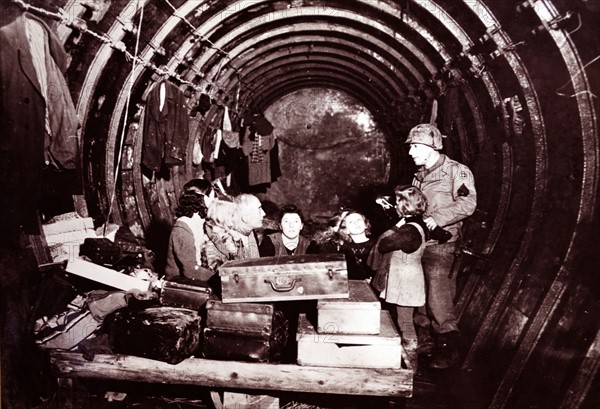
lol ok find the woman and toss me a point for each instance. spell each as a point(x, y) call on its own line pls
point(348, 232)
point(288, 242)
point(186, 243)
point(230, 229)
point(397, 258)
point(355, 231)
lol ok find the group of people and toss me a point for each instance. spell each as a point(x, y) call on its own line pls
point(410, 264)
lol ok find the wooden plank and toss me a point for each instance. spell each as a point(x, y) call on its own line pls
point(131, 208)
point(138, 179)
point(100, 274)
point(237, 375)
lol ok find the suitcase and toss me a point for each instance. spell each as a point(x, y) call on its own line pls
point(163, 333)
point(357, 314)
point(284, 278)
point(100, 251)
point(244, 332)
point(349, 351)
point(184, 292)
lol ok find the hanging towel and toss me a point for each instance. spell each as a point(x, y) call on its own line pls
point(226, 120)
point(218, 139)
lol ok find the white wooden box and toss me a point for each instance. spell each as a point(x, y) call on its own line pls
point(357, 314)
point(349, 351)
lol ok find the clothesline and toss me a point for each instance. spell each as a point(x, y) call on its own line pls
point(200, 37)
point(76, 24)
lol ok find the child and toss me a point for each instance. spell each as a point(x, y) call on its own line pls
point(349, 233)
point(397, 258)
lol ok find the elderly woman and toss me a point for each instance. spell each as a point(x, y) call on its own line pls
point(230, 229)
point(289, 241)
point(186, 243)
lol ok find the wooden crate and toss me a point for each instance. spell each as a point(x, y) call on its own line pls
point(349, 351)
point(357, 314)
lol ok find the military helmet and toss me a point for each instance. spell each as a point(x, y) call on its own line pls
point(426, 134)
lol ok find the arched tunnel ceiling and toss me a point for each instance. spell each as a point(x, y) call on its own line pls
point(253, 52)
point(249, 30)
point(381, 52)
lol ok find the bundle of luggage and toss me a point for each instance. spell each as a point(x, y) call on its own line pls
point(251, 320)
point(256, 317)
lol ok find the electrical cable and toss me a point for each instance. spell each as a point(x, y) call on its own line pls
point(571, 80)
point(134, 64)
point(117, 45)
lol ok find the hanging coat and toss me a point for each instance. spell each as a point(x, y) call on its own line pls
point(23, 135)
point(166, 131)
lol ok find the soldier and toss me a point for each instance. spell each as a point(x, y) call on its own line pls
point(450, 191)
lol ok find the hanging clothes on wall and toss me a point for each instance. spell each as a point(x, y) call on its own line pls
point(37, 117)
point(166, 127)
point(258, 141)
point(203, 104)
point(221, 150)
point(230, 155)
point(231, 138)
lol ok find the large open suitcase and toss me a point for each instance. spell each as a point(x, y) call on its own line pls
point(284, 278)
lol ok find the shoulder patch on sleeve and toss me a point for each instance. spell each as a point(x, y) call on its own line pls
point(463, 190)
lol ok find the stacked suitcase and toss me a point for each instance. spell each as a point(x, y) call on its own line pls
point(350, 332)
point(255, 332)
point(249, 324)
point(285, 278)
point(166, 334)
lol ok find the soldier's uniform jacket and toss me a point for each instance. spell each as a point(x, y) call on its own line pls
point(450, 190)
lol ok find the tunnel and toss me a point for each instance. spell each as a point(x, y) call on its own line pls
point(513, 86)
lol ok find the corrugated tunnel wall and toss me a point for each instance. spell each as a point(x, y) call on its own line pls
point(516, 84)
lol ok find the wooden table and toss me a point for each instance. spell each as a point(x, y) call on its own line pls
point(230, 375)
